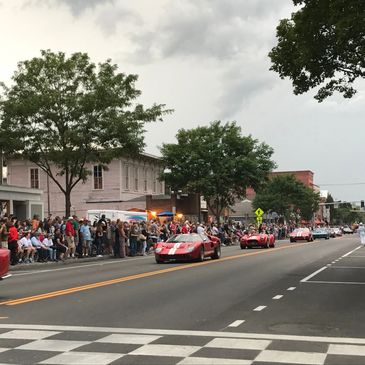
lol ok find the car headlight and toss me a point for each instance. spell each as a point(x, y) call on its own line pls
point(158, 249)
point(190, 249)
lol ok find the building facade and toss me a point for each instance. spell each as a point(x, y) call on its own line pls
point(116, 187)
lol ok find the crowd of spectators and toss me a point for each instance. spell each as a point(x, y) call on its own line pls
point(58, 239)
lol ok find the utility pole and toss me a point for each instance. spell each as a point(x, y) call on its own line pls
point(1, 167)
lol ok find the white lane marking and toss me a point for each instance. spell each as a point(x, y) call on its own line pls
point(165, 350)
point(233, 343)
point(53, 345)
point(70, 358)
point(354, 257)
point(335, 282)
point(260, 308)
point(348, 267)
point(236, 323)
point(291, 288)
point(346, 350)
point(292, 357)
point(211, 361)
point(31, 272)
point(314, 274)
point(129, 339)
point(164, 332)
point(28, 334)
point(277, 297)
point(349, 253)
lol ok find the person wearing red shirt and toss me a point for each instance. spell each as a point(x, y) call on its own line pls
point(186, 228)
point(13, 244)
point(70, 236)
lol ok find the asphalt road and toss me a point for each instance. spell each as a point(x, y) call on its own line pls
point(292, 291)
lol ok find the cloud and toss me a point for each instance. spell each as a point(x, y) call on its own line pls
point(77, 7)
point(211, 28)
point(109, 18)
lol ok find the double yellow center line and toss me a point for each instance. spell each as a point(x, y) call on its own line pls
point(137, 276)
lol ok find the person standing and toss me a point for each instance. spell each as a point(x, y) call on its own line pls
point(133, 238)
point(361, 232)
point(122, 240)
point(70, 236)
point(4, 233)
point(13, 243)
point(99, 234)
point(85, 238)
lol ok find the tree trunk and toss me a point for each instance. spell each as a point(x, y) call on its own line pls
point(68, 203)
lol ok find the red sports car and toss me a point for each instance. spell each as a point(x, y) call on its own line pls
point(192, 246)
point(4, 263)
point(301, 234)
point(257, 240)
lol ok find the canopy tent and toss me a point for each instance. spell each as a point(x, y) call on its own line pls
point(165, 214)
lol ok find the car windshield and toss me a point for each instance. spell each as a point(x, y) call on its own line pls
point(301, 230)
point(320, 230)
point(194, 237)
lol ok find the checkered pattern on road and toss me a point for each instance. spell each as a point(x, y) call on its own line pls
point(34, 346)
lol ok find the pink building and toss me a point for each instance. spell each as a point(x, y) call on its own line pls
point(118, 187)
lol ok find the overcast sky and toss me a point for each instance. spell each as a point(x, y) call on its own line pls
point(207, 59)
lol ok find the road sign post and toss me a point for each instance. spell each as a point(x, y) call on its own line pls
point(259, 213)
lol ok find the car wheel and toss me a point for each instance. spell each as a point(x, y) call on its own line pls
point(267, 245)
point(201, 254)
point(292, 241)
point(159, 261)
point(217, 253)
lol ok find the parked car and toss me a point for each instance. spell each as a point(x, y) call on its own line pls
point(321, 233)
point(337, 231)
point(347, 230)
point(4, 263)
point(188, 247)
point(301, 234)
point(255, 239)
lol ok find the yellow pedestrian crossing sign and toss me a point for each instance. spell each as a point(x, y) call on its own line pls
point(259, 212)
point(259, 220)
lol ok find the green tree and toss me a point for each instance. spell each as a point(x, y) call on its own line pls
point(286, 195)
point(345, 214)
point(217, 162)
point(323, 44)
point(63, 113)
point(330, 206)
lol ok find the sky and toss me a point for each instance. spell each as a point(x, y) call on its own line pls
point(207, 60)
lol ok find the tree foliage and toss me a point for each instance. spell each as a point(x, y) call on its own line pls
point(217, 162)
point(63, 113)
point(285, 195)
point(323, 44)
point(345, 214)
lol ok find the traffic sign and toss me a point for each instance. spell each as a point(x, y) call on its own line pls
point(259, 220)
point(259, 212)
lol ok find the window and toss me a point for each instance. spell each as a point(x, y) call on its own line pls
point(98, 177)
point(136, 182)
point(126, 177)
point(145, 183)
point(161, 187)
point(34, 178)
point(154, 182)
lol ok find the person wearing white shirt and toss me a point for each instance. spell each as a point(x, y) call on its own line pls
point(48, 243)
point(27, 247)
point(200, 229)
point(42, 250)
